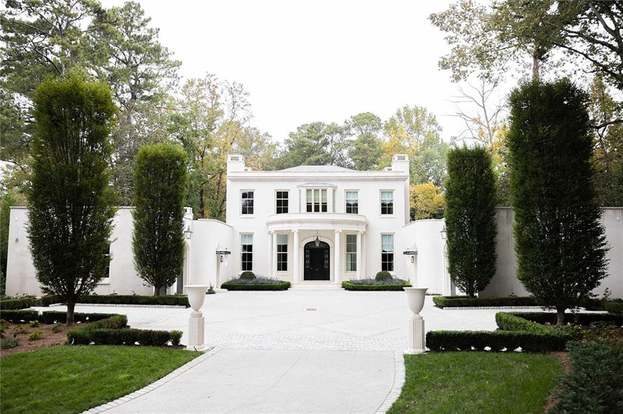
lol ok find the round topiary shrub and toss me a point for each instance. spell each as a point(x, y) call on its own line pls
point(247, 276)
point(383, 276)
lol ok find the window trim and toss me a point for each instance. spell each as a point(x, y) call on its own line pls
point(346, 200)
point(287, 199)
point(347, 254)
point(287, 253)
point(393, 252)
point(393, 213)
point(242, 252)
point(317, 191)
point(241, 204)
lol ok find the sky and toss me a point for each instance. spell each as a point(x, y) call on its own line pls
point(306, 61)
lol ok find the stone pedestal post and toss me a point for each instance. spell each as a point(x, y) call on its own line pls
point(416, 339)
point(196, 322)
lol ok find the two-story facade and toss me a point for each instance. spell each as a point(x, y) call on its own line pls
point(307, 224)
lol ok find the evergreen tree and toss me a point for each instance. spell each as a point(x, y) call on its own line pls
point(470, 218)
point(560, 242)
point(70, 200)
point(158, 241)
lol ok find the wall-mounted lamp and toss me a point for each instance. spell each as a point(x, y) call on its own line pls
point(188, 232)
point(221, 255)
point(411, 253)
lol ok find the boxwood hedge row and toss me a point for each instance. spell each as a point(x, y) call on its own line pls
point(494, 341)
point(258, 283)
point(373, 284)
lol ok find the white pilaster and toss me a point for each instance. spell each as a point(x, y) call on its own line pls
point(273, 254)
point(336, 261)
point(330, 200)
point(359, 255)
point(295, 256)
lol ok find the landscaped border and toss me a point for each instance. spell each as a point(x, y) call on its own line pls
point(375, 285)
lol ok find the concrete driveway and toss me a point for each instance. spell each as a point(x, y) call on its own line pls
point(299, 351)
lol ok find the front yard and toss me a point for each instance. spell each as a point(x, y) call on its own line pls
point(477, 382)
point(71, 379)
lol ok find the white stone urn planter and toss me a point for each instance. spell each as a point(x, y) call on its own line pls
point(196, 323)
point(417, 339)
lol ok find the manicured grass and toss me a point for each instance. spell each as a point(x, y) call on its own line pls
point(477, 382)
point(71, 379)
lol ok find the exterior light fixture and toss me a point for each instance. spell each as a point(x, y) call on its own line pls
point(411, 253)
point(188, 232)
point(317, 241)
point(221, 255)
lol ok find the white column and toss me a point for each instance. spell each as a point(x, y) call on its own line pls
point(273, 254)
point(295, 256)
point(358, 255)
point(330, 208)
point(363, 254)
point(336, 261)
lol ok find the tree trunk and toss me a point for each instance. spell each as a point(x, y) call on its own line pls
point(536, 66)
point(201, 203)
point(157, 290)
point(560, 317)
point(71, 306)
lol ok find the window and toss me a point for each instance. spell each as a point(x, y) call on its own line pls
point(246, 249)
point(352, 202)
point(387, 252)
point(351, 252)
point(282, 252)
point(316, 200)
point(282, 202)
point(247, 202)
point(387, 202)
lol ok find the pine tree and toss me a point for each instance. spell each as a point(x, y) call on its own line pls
point(470, 218)
point(560, 242)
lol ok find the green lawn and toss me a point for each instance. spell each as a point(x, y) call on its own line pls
point(70, 379)
point(477, 382)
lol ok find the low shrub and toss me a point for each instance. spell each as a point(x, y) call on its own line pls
point(124, 336)
point(35, 336)
point(584, 319)
point(259, 283)
point(614, 306)
point(595, 382)
point(176, 337)
point(178, 300)
point(512, 322)
point(49, 300)
point(247, 275)
point(465, 301)
point(393, 284)
point(8, 342)
point(51, 317)
point(495, 341)
point(383, 276)
point(22, 302)
point(19, 316)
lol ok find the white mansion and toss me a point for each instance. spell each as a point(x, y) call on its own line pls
point(311, 225)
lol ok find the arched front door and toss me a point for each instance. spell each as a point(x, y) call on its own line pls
point(317, 261)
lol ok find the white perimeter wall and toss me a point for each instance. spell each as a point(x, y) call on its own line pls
point(505, 282)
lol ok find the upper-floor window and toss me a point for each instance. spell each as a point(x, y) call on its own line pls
point(247, 202)
point(246, 251)
point(387, 202)
point(351, 252)
point(316, 200)
point(281, 200)
point(352, 202)
point(387, 252)
point(282, 252)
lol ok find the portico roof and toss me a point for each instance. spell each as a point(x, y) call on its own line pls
point(317, 221)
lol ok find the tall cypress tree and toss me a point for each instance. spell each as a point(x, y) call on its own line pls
point(158, 242)
point(70, 200)
point(470, 218)
point(560, 242)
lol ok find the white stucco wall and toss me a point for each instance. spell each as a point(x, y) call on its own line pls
point(505, 282)
point(208, 236)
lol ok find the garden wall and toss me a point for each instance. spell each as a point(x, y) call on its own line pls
point(505, 282)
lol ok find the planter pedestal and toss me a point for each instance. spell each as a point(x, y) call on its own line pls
point(416, 339)
point(196, 322)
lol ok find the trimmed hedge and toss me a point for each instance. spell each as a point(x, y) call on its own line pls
point(19, 316)
point(615, 307)
point(247, 275)
point(18, 303)
point(374, 284)
point(383, 276)
point(583, 319)
point(177, 300)
point(259, 283)
point(50, 317)
point(465, 301)
point(124, 336)
point(496, 341)
point(512, 322)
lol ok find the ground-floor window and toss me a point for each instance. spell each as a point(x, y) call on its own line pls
point(246, 249)
point(387, 252)
point(282, 252)
point(351, 252)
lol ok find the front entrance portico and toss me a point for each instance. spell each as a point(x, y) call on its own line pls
point(306, 260)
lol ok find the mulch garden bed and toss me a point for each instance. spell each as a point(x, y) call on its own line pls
point(28, 340)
